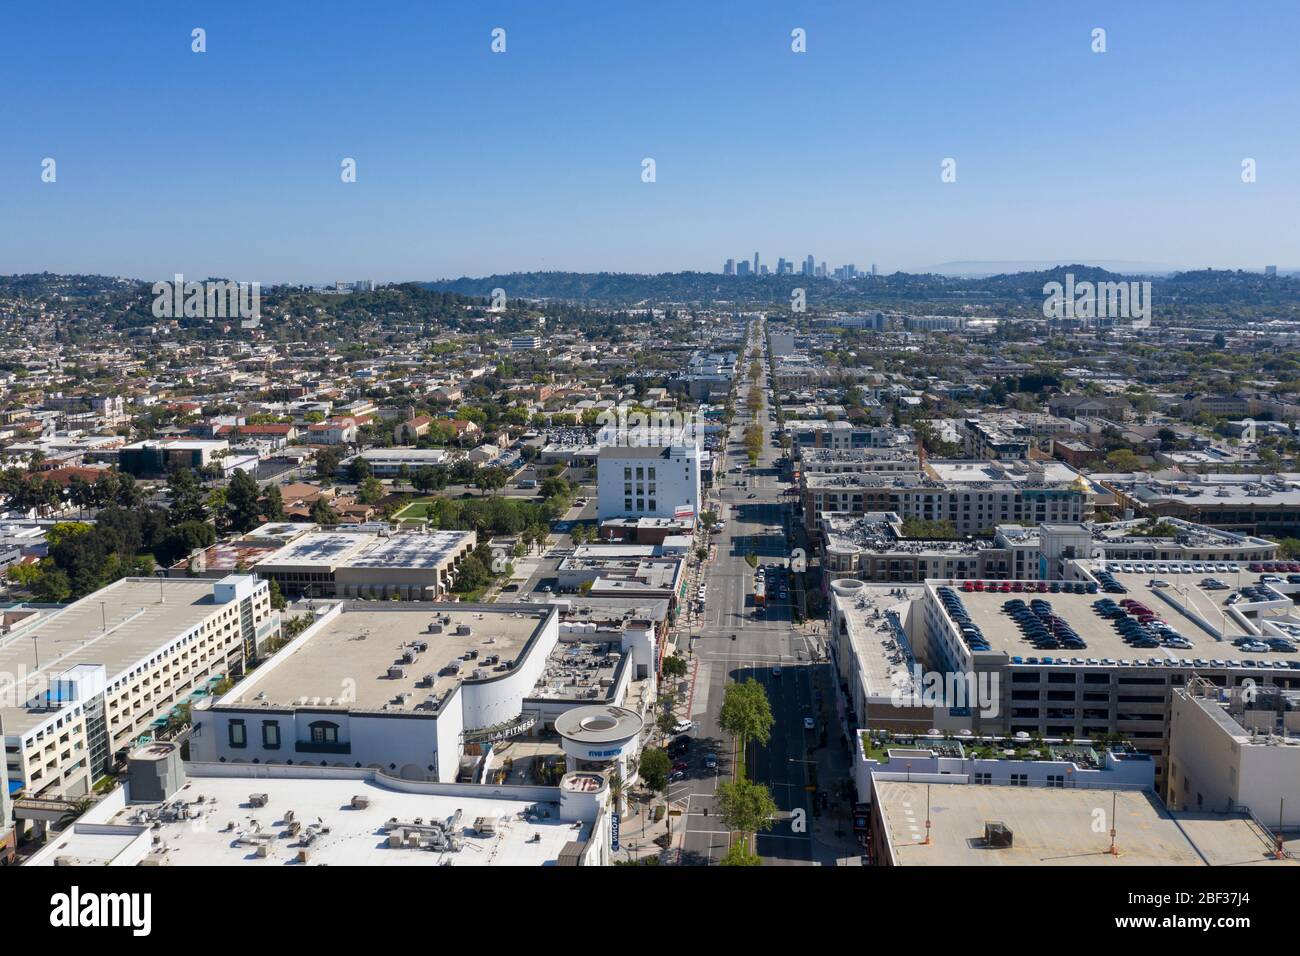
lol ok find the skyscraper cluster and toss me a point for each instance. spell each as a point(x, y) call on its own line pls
point(786, 267)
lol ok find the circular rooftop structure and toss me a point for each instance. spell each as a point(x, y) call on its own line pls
point(598, 724)
point(599, 734)
point(847, 586)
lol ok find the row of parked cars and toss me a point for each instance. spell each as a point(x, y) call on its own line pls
point(1109, 583)
point(1276, 566)
point(1178, 567)
point(1043, 628)
point(1261, 645)
point(1139, 626)
point(1160, 662)
point(970, 631)
point(1029, 587)
point(1253, 594)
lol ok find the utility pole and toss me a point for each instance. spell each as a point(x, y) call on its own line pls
point(1114, 802)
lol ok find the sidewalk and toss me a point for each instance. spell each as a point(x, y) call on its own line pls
point(637, 829)
point(834, 842)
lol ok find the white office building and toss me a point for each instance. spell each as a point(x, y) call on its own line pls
point(648, 481)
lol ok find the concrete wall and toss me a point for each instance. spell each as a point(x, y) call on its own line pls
point(1210, 768)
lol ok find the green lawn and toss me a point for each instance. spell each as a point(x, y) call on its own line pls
point(416, 510)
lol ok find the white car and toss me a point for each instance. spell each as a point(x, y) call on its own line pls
point(683, 726)
point(809, 724)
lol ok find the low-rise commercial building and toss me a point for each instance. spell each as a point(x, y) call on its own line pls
point(973, 497)
point(389, 462)
point(1249, 504)
point(402, 689)
point(1236, 750)
point(246, 815)
point(414, 565)
point(873, 547)
point(1020, 825)
point(156, 458)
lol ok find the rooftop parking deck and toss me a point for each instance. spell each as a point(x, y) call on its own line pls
point(116, 627)
point(1195, 613)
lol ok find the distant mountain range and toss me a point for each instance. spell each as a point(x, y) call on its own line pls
point(974, 268)
point(1206, 294)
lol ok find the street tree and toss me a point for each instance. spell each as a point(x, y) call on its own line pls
point(675, 666)
point(654, 768)
point(746, 713)
point(746, 806)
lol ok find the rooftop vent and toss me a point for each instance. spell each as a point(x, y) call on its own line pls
point(997, 834)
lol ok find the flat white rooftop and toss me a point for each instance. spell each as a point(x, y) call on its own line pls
point(355, 651)
point(329, 550)
point(356, 837)
point(886, 663)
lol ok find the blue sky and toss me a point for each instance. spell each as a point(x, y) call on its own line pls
point(470, 163)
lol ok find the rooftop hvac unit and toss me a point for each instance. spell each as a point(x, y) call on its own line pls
point(396, 672)
point(258, 799)
point(360, 802)
point(435, 628)
point(462, 630)
point(997, 834)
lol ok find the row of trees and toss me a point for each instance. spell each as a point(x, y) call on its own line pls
point(745, 806)
point(493, 515)
point(123, 541)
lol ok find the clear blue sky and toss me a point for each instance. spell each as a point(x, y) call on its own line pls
point(469, 163)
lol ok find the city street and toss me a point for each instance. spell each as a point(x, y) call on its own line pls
point(760, 647)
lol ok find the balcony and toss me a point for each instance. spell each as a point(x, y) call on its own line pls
point(307, 747)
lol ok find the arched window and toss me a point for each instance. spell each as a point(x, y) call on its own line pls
point(324, 732)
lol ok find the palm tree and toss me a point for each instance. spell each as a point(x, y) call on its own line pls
point(616, 790)
point(74, 811)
